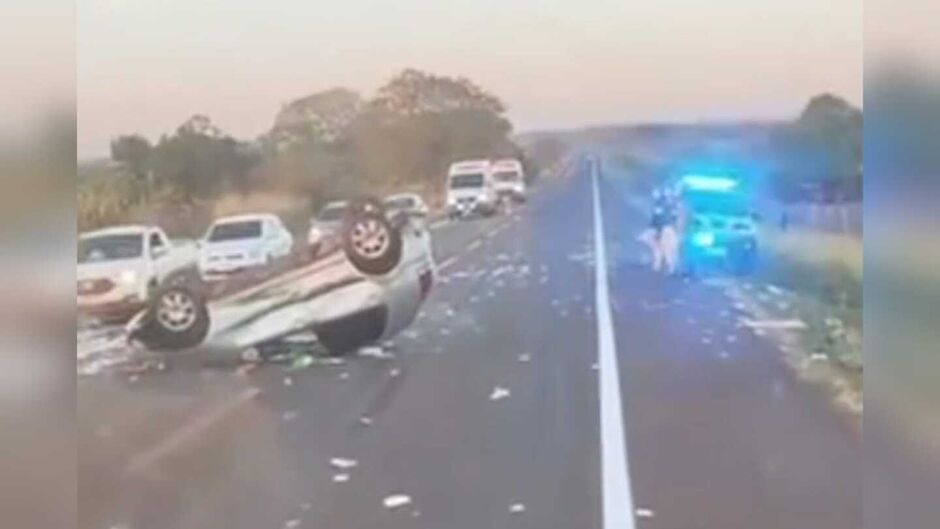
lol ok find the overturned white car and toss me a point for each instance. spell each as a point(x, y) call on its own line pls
point(366, 291)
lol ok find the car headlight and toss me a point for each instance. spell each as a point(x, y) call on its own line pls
point(128, 277)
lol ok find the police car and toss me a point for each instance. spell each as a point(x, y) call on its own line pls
point(721, 227)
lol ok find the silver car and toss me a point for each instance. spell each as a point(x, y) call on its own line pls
point(366, 293)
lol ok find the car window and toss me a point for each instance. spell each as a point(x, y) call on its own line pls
point(110, 248)
point(156, 241)
point(231, 231)
point(466, 180)
point(506, 176)
point(331, 213)
point(401, 203)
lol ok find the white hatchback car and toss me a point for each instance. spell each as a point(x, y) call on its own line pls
point(240, 242)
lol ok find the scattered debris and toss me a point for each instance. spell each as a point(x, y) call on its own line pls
point(792, 324)
point(594, 366)
point(415, 513)
point(819, 357)
point(731, 338)
point(289, 415)
point(724, 355)
point(251, 354)
point(517, 508)
point(301, 362)
point(394, 372)
point(706, 340)
point(524, 358)
point(499, 393)
point(375, 351)
point(775, 290)
point(305, 507)
point(396, 500)
point(343, 376)
point(645, 513)
point(288, 381)
point(342, 463)
point(365, 421)
point(292, 524)
point(340, 478)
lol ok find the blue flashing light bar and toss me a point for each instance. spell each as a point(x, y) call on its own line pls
point(709, 183)
point(703, 239)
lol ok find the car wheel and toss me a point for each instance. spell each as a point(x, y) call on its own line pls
point(370, 241)
point(176, 318)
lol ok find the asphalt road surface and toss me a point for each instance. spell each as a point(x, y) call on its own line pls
point(535, 390)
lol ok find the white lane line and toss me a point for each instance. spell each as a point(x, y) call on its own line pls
point(474, 245)
point(617, 493)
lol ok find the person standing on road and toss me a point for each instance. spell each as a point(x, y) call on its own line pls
point(662, 236)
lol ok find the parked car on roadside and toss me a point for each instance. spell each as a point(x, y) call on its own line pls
point(470, 189)
point(322, 236)
point(410, 203)
point(119, 269)
point(241, 242)
point(509, 179)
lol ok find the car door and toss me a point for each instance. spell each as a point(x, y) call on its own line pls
point(285, 239)
point(159, 251)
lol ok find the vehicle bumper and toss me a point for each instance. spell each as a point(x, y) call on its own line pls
point(465, 209)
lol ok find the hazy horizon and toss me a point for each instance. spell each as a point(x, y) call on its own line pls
point(145, 68)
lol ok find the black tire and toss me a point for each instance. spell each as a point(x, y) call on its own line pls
point(176, 318)
point(370, 241)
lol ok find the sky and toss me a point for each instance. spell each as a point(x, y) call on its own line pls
point(144, 67)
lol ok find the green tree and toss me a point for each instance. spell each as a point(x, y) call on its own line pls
point(320, 118)
point(134, 152)
point(199, 161)
point(418, 123)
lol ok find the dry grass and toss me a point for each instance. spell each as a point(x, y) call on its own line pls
point(817, 248)
point(261, 202)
